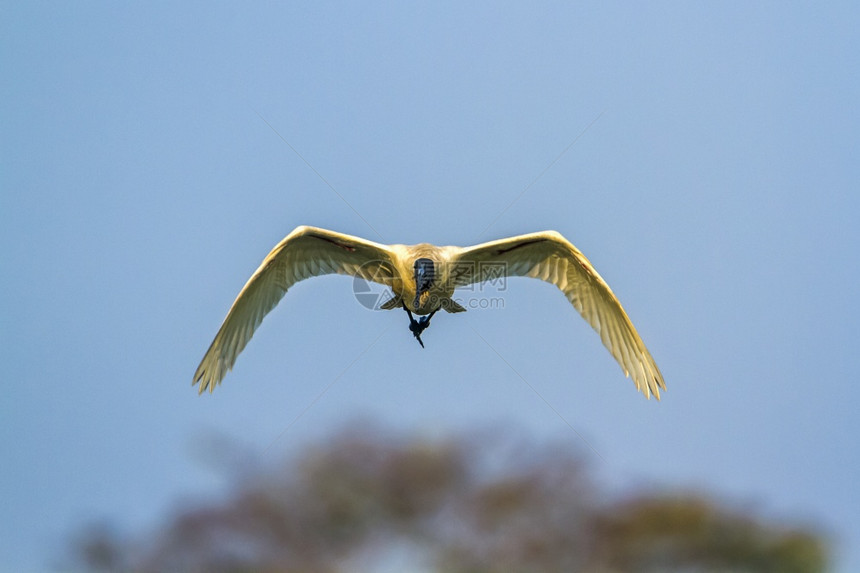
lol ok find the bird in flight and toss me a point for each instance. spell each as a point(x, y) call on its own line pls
point(422, 279)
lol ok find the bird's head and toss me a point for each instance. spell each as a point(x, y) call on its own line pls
point(425, 274)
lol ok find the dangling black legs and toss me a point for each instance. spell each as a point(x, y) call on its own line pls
point(416, 327)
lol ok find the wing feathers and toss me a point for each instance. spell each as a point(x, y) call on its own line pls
point(304, 253)
point(551, 258)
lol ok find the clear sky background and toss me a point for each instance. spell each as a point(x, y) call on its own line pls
point(714, 182)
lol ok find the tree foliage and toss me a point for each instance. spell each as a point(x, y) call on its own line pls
point(365, 501)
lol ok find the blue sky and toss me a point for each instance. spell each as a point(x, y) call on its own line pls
point(713, 181)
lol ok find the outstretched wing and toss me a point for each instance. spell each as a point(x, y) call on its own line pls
point(304, 253)
point(552, 258)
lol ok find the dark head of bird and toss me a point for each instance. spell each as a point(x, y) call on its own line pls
point(425, 274)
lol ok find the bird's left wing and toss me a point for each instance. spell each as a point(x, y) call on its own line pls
point(552, 258)
point(304, 253)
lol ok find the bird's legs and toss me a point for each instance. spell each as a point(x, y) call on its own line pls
point(416, 327)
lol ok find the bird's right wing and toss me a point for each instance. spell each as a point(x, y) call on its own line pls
point(552, 258)
point(304, 253)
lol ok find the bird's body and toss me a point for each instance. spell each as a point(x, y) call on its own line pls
point(423, 279)
point(441, 289)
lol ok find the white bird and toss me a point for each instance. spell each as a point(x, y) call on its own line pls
point(422, 279)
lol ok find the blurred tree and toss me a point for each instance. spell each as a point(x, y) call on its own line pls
point(367, 501)
point(691, 533)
